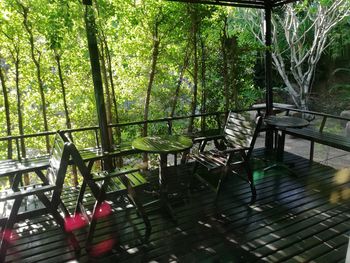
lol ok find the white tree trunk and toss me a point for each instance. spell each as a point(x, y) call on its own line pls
point(301, 54)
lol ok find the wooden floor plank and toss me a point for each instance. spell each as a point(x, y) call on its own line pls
point(295, 219)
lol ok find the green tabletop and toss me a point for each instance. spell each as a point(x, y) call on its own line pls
point(162, 144)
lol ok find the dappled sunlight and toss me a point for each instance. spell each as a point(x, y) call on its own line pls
point(204, 224)
point(231, 240)
point(256, 208)
point(340, 195)
point(172, 257)
point(271, 247)
point(181, 231)
point(133, 250)
point(207, 249)
point(342, 176)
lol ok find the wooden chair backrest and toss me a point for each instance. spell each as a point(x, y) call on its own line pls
point(58, 163)
point(77, 160)
point(240, 131)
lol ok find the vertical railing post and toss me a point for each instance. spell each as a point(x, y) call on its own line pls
point(170, 126)
point(268, 72)
point(96, 139)
point(218, 121)
point(19, 157)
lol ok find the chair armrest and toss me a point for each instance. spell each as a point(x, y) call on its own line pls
point(10, 194)
point(100, 176)
point(233, 150)
point(210, 138)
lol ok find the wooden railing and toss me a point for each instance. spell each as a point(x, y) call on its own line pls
point(18, 139)
point(217, 119)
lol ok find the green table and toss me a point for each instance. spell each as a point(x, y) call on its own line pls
point(163, 145)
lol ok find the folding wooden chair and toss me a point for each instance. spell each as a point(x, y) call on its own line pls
point(106, 186)
point(238, 139)
point(48, 193)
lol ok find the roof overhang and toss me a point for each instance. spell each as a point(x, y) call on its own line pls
point(261, 4)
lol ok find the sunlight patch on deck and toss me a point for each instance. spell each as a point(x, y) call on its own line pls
point(342, 176)
point(208, 249)
point(204, 224)
point(340, 195)
point(182, 231)
point(132, 250)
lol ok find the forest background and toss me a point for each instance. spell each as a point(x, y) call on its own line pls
point(158, 59)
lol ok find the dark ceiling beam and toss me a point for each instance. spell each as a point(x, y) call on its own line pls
point(282, 2)
point(246, 4)
point(260, 4)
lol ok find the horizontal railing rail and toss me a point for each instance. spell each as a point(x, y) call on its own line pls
point(315, 113)
point(18, 139)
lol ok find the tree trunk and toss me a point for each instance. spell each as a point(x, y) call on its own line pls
point(155, 54)
point(15, 57)
point(232, 47)
point(115, 106)
point(203, 80)
point(108, 94)
point(180, 80)
point(36, 62)
point(19, 102)
point(225, 69)
point(65, 106)
point(194, 19)
point(63, 89)
point(7, 113)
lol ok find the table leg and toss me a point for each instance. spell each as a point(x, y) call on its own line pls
point(163, 186)
point(281, 136)
point(280, 145)
point(163, 162)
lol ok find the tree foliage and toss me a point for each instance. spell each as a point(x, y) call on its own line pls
point(45, 64)
point(300, 36)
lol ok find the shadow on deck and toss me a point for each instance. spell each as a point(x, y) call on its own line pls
point(295, 219)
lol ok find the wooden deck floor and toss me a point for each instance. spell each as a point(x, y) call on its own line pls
point(295, 219)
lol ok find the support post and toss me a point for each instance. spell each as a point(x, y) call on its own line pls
point(268, 72)
point(97, 80)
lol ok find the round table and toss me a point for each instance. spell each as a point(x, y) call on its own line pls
point(163, 145)
point(280, 123)
point(286, 122)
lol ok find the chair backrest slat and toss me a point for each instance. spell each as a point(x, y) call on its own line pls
point(58, 163)
point(239, 130)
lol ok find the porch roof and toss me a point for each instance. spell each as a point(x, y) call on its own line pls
point(262, 4)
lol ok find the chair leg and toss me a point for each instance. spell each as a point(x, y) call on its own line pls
point(192, 176)
point(144, 216)
point(222, 179)
point(250, 179)
point(132, 196)
point(80, 197)
point(92, 225)
point(6, 231)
